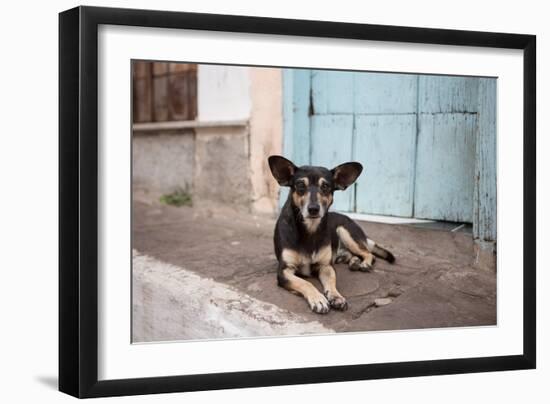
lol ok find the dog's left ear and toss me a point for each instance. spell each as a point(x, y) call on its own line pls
point(345, 174)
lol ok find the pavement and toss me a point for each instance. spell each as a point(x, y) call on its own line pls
point(209, 271)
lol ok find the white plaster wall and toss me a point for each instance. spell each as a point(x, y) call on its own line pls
point(223, 93)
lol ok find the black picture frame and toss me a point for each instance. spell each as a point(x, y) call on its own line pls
point(78, 201)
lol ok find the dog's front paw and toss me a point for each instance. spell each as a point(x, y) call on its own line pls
point(319, 304)
point(336, 301)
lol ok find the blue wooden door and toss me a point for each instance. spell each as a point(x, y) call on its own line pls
point(415, 136)
point(385, 142)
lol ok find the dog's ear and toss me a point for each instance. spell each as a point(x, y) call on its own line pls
point(345, 174)
point(282, 169)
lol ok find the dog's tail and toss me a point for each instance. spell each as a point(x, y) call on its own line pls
point(379, 251)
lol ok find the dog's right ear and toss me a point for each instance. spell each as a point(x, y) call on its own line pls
point(282, 169)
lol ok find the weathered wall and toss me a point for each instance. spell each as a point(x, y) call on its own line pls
point(230, 161)
point(266, 135)
point(222, 151)
point(221, 165)
point(163, 162)
point(224, 158)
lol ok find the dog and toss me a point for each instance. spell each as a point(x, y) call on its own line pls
point(309, 239)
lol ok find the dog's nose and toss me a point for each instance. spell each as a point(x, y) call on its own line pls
point(313, 210)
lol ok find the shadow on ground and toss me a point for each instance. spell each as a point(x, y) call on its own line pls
point(432, 284)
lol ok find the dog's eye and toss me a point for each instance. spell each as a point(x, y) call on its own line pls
point(300, 188)
point(325, 188)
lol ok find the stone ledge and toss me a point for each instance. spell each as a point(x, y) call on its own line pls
point(178, 125)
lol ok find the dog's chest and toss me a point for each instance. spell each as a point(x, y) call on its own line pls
point(304, 263)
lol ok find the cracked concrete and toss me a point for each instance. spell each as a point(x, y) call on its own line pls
point(433, 283)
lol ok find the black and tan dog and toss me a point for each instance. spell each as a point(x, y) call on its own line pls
point(309, 239)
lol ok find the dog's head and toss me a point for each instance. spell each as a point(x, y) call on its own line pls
point(312, 188)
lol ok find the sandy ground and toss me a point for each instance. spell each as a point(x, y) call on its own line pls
point(432, 284)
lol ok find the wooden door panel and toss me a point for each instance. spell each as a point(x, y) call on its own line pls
point(380, 93)
point(331, 140)
point(445, 94)
point(385, 145)
point(332, 92)
point(445, 167)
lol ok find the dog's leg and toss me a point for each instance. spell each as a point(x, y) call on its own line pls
point(363, 259)
point(327, 276)
point(343, 256)
point(317, 302)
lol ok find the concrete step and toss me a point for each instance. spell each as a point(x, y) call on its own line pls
point(171, 303)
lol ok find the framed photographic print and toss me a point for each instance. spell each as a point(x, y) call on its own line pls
point(251, 201)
